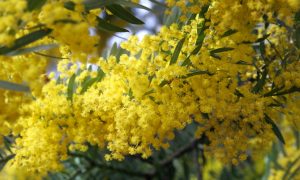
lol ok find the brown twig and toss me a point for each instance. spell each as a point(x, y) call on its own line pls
point(187, 148)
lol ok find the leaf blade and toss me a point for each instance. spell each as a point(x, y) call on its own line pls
point(31, 49)
point(35, 4)
point(70, 90)
point(13, 86)
point(106, 26)
point(124, 14)
point(25, 40)
point(177, 51)
point(275, 129)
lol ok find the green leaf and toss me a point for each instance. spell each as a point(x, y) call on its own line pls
point(124, 14)
point(71, 87)
point(13, 86)
point(196, 72)
point(90, 81)
point(130, 4)
point(32, 49)
point(173, 17)
point(114, 50)
point(199, 42)
point(69, 5)
point(275, 129)
point(149, 92)
point(220, 50)
point(204, 10)
point(238, 93)
point(214, 52)
point(4, 160)
point(35, 4)
point(229, 32)
point(289, 91)
point(262, 38)
point(106, 26)
point(273, 91)
point(130, 94)
point(89, 5)
point(25, 40)
point(177, 51)
point(65, 21)
point(241, 62)
point(163, 83)
point(289, 167)
point(95, 4)
point(261, 82)
point(187, 61)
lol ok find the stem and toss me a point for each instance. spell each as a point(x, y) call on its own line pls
point(49, 56)
point(290, 91)
point(198, 166)
point(112, 168)
point(7, 158)
point(187, 148)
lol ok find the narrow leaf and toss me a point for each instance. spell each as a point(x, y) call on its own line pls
point(289, 167)
point(35, 4)
point(275, 129)
point(106, 26)
point(25, 40)
point(220, 50)
point(13, 86)
point(90, 81)
point(163, 83)
point(70, 5)
point(90, 5)
point(131, 4)
point(71, 86)
point(241, 62)
point(261, 82)
point(177, 51)
point(199, 43)
point(229, 32)
point(214, 52)
point(124, 14)
point(149, 92)
point(95, 4)
point(114, 50)
point(196, 72)
point(32, 49)
point(262, 38)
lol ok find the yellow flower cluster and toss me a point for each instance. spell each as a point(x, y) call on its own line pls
point(205, 71)
point(12, 12)
point(25, 70)
point(70, 27)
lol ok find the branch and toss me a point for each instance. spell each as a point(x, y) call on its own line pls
point(187, 148)
point(7, 158)
point(112, 168)
point(289, 91)
point(199, 167)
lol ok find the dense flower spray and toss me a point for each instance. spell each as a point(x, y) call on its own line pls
point(226, 69)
